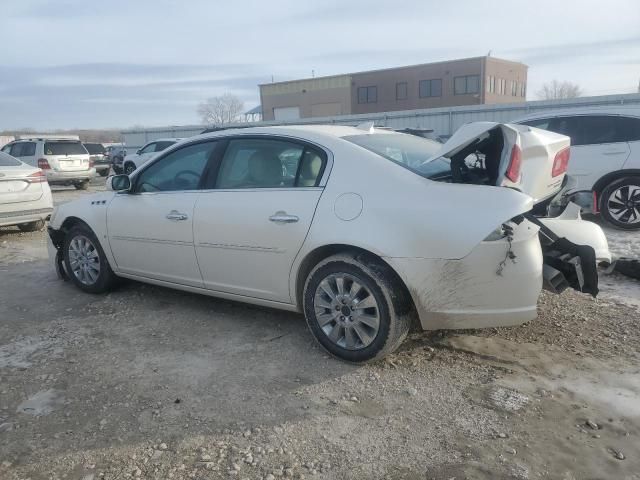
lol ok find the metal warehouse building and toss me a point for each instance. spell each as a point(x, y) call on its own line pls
point(444, 121)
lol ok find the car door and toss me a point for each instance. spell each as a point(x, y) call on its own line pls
point(597, 146)
point(150, 228)
point(249, 227)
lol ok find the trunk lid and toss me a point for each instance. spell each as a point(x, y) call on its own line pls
point(488, 153)
point(16, 186)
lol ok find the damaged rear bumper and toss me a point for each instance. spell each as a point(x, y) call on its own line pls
point(499, 282)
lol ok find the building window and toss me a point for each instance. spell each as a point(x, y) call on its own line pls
point(367, 94)
point(514, 88)
point(523, 89)
point(401, 91)
point(466, 85)
point(491, 84)
point(430, 88)
point(502, 86)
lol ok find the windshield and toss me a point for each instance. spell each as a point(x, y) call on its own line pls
point(408, 151)
point(94, 148)
point(64, 148)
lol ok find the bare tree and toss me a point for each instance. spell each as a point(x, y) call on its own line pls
point(555, 90)
point(220, 110)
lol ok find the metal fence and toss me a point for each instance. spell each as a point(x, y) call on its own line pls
point(444, 121)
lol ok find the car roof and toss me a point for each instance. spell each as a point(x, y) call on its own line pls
point(164, 140)
point(318, 131)
point(632, 111)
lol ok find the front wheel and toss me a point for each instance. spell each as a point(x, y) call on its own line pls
point(85, 261)
point(620, 203)
point(103, 173)
point(355, 308)
point(82, 185)
point(129, 168)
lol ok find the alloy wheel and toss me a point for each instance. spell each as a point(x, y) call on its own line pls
point(346, 311)
point(84, 260)
point(624, 204)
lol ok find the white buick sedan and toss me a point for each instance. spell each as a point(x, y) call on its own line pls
point(358, 228)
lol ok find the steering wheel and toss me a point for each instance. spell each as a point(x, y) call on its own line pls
point(178, 180)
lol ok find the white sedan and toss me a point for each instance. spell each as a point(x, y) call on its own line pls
point(358, 228)
point(25, 196)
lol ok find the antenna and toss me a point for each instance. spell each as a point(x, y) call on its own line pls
point(313, 73)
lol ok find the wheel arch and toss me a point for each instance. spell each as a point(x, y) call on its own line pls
point(403, 303)
point(605, 180)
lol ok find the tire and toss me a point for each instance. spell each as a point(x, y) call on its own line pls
point(104, 173)
point(129, 168)
point(32, 226)
point(330, 315)
point(80, 244)
point(620, 203)
point(82, 185)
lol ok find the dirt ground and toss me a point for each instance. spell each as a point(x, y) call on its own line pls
point(151, 383)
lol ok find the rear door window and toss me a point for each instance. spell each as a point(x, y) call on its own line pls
point(269, 163)
point(64, 148)
point(23, 149)
point(597, 129)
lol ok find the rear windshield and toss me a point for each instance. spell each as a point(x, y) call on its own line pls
point(7, 160)
point(64, 148)
point(94, 148)
point(408, 151)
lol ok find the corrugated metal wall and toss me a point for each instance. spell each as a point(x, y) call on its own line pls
point(444, 121)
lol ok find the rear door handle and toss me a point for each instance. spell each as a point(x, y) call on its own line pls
point(283, 217)
point(614, 152)
point(175, 216)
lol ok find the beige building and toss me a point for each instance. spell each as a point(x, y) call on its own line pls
point(469, 81)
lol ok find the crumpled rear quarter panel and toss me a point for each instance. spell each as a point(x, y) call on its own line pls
point(469, 293)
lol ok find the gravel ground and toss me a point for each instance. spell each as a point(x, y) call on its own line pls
point(151, 383)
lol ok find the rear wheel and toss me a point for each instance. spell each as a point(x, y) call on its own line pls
point(85, 261)
point(104, 173)
point(32, 226)
point(620, 203)
point(82, 185)
point(129, 168)
point(353, 308)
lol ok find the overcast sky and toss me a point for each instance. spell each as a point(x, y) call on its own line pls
point(120, 63)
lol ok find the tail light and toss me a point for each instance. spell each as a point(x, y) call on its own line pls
point(37, 177)
point(560, 163)
point(43, 164)
point(595, 202)
point(91, 163)
point(513, 170)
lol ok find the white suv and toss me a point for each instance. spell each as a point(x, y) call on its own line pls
point(64, 161)
point(605, 160)
point(150, 150)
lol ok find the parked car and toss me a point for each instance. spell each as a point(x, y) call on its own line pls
point(115, 155)
point(148, 151)
point(605, 160)
point(98, 158)
point(373, 226)
point(64, 161)
point(25, 196)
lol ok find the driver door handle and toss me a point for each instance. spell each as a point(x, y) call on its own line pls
point(176, 216)
point(282, 217)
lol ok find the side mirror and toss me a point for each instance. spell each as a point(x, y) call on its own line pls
point(138, 151)
point(118, 183)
